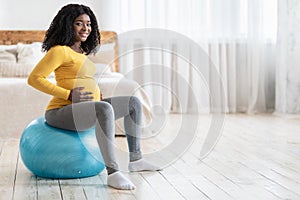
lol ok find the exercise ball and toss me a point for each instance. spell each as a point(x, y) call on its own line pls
point(56, 153)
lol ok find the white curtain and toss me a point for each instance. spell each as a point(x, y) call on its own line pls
point(288, 68)
point(238, 37)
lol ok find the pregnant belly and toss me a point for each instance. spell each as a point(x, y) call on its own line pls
point(90, 85)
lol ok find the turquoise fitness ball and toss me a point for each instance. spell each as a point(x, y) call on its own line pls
point(56, 153)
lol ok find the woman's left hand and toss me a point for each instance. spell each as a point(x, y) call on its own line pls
point(76, 95)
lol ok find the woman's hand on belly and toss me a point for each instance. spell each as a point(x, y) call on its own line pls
point(77, 95)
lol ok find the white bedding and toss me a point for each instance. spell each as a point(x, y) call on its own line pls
point(20, 103)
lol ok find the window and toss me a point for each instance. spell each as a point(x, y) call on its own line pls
point(198, 19)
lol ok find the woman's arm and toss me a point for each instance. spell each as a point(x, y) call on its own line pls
point(37, 78)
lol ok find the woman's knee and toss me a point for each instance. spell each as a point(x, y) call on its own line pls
point(135, 103)
point(104, 109)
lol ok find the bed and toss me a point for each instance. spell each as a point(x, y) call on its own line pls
point(20, 50)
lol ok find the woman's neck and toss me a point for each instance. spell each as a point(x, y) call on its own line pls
point(77, 47)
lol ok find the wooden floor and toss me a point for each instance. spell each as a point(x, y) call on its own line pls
point(256, 157)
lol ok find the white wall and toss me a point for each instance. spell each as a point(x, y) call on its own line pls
point(36, 14)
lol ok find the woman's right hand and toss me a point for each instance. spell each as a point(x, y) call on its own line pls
point(76, 95)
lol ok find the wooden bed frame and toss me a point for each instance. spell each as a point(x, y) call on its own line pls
point(10, 37)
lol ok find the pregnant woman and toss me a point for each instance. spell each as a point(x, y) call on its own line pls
point(77, 102)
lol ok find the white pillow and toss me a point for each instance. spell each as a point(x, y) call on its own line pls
point(29, 53)
point(15, 69)
point(10, 48)
point(7, 57)
point(26, 56)
point(105, 54)
point(102, 69)
point(8, 53)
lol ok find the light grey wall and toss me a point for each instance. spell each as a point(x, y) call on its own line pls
point(36, 14)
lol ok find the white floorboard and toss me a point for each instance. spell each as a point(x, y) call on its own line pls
point(256, 157)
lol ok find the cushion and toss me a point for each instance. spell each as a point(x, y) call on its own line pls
point(102, 69)
point(19, 60)
point(7, 57)
point(8, 53)
point(29, 53)
point(105, 54)
point(10, 48)
point(15, 69)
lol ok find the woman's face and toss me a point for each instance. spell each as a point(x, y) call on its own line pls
point(82, 27)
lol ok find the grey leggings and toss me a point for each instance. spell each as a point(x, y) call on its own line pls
point(84, 115)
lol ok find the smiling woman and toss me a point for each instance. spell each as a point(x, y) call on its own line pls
point(82, 29)
point(77, 103)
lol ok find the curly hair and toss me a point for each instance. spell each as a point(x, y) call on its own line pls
point(61, 31)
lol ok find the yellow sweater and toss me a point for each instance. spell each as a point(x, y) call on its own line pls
point(71, 70)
